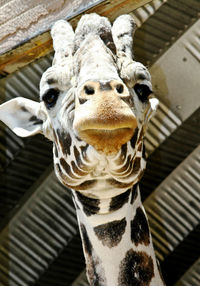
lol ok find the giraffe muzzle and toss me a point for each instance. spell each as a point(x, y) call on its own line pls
point(103, 115)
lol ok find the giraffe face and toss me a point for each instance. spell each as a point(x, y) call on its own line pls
point(94, 94)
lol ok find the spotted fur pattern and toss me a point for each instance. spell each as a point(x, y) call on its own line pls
point(115, 233)
point(119, 241)
point(95, 105)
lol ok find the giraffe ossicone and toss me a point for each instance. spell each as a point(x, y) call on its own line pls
point(95, 104)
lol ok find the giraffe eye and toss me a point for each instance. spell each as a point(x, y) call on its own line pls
point(50, 97)
point(142, 91)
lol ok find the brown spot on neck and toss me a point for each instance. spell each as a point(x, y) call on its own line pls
point(136, 268)
point(90, 205)
point(140, 229)
point(118, 201)
point(110, 234)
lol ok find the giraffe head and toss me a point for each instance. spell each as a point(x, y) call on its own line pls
point(93, 93)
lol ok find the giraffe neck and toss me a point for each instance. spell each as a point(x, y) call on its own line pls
point(115, 234)
point(117, 243)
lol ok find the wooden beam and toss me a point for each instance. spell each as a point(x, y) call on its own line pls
point(25, 25)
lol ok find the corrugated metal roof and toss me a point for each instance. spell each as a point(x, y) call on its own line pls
point(173, 208)
point(66, 267)
point(81, 280)
point(42, 226)
point(21, 169)
point(168, 23)
point(192, 276)
point(171, 153)
point(184, 255)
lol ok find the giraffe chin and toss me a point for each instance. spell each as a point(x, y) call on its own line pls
point(107, 141)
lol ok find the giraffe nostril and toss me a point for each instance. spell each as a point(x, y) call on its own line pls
point(89, 90)
point(120, 88)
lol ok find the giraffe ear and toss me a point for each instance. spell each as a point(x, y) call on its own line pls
point(21, 116)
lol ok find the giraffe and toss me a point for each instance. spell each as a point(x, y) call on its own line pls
point(95, 104)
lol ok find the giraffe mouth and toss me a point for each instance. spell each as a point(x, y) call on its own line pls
point(107, 141)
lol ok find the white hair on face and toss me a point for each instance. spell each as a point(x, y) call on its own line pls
point(122, 31)
point(63, 40)
point(91, 24)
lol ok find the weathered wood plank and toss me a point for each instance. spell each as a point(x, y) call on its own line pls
point(21, 20)
point(25, 25)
